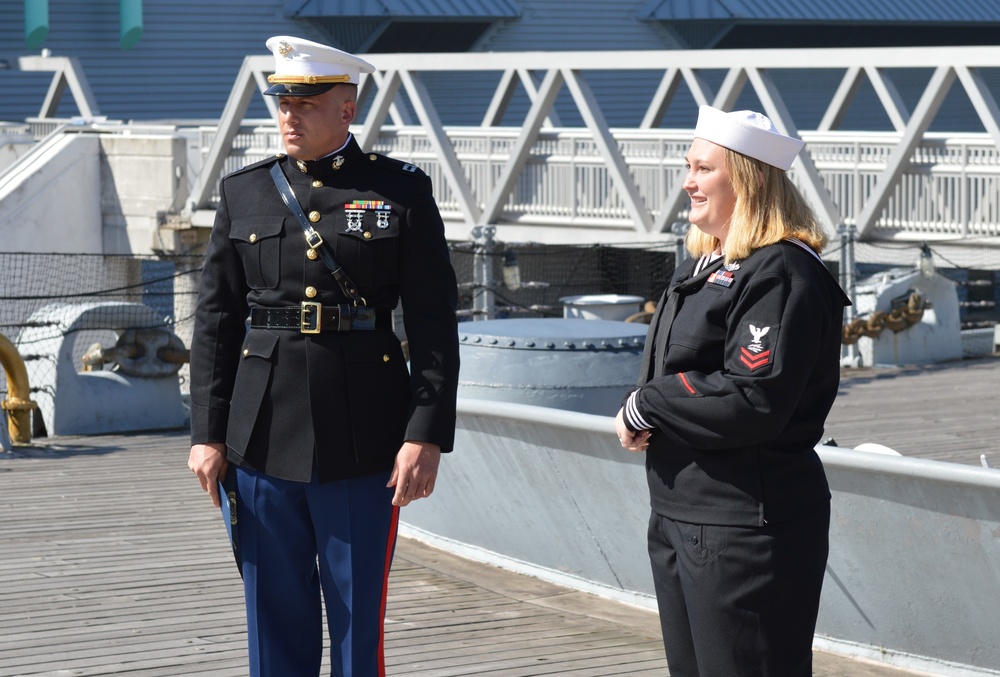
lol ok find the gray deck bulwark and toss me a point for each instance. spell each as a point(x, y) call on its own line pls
point(113, 562)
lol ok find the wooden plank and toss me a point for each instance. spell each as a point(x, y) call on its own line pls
point(946, 412)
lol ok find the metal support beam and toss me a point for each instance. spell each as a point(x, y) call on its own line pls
point(547, 93)
point(661, 99)
point(505, 92)
point(501, 99)
point(229, 124)
point(668, 88)
point(923, 115)
point(984, 102)
point(443, 147)
point(842, 99)
point(738, 66)
point(812, 185)
point(388, 87)
point(608, 147)
point(398, 114)
point(887, 93)
point(67, 72)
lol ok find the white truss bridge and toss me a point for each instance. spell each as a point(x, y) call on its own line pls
point(542, 182)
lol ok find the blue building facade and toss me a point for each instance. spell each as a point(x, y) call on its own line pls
point(187, 55)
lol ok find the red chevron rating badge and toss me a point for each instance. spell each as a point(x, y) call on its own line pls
point(756, 354)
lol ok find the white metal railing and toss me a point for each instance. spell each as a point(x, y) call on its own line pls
point(905, 184)
point(950, 189)
point(890, 188)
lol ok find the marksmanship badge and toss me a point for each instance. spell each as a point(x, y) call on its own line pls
point(356, 210)
point(354, 217)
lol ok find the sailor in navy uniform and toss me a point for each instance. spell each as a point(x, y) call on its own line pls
point(313, 407)
point(740, 368)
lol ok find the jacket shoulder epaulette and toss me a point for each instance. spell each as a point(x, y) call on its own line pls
point(386, 162)
point(254, 165)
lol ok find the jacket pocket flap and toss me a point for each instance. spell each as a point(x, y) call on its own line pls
point(260, 344)
point(372, 234)
point(255, 228)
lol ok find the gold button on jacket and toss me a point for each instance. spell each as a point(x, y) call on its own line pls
point(337, 402)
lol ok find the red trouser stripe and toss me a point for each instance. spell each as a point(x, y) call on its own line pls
point(390, 547)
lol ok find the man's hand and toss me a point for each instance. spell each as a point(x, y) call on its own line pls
point(208, 462)
point(633, 441)
point(415, 471)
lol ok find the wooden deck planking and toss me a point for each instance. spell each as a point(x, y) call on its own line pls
point(112, 561)
point(945, 412)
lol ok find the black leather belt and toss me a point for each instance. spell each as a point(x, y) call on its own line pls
point(312, 318)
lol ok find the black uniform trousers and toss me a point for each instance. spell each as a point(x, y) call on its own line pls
point(739, 601)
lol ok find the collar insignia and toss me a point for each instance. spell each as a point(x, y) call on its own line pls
point(338, 162)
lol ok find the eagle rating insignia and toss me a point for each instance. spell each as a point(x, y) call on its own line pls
point(756, 354)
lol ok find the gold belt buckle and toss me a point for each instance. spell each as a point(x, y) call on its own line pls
point(311, 318)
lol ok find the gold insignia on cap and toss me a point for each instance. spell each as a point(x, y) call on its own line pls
point(315, 216)
point(301, 166)
point(307, 79)
point(284, 48)
point(338, 162)
point(311, 292)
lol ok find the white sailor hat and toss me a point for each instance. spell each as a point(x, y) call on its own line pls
point(306, 68)
point(749, 133)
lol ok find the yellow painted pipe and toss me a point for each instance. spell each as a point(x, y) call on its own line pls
point(17, 403)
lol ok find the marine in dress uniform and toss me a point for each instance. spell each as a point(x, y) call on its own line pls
point(741, 367)
point(299, 383)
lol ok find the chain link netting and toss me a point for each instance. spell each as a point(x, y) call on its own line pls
point(528, 280)
point(495, 279)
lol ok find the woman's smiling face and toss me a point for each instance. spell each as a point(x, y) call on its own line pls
point(710, 188)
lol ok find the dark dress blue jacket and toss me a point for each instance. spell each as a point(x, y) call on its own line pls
point(737, 398)
point(343, 402)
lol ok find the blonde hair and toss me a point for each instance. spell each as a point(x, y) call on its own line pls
point(769, 208)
